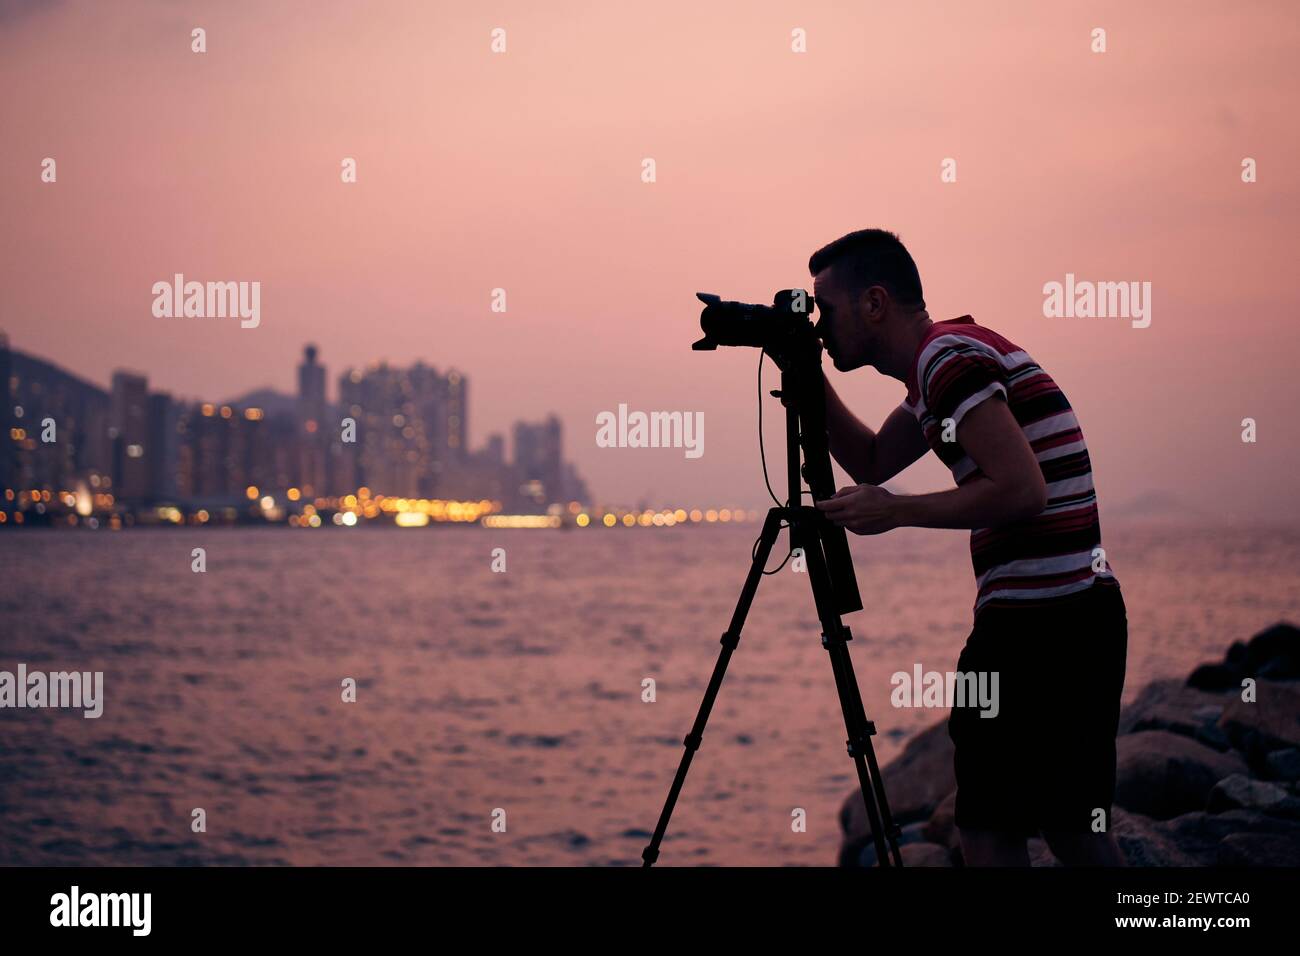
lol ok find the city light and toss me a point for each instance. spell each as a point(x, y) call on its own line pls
point(521, 521)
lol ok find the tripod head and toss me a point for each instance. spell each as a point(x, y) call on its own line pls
point(785, 332)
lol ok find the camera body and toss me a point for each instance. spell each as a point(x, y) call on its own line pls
point(783, 329)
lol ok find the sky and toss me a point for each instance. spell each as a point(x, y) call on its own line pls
point(522, 171)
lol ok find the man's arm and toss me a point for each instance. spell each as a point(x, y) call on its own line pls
point(1010, 487)
point(870, 457)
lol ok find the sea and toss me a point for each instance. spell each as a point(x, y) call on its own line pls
point(383, 696)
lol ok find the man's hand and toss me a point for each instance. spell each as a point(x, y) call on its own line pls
point(862, 509)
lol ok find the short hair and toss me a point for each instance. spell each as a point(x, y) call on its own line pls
point(873, 257)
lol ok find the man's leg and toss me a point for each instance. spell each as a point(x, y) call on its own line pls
point(993, 848)
point(1079, 775)
point(992, 815)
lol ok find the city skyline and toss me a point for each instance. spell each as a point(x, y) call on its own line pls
point(401, 433)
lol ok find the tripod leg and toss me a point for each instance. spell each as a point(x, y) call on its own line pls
point(841, 650)
point(771, 528)
point(861, 746)
point(804, 533)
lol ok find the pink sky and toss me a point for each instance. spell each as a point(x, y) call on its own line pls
point(522, 171)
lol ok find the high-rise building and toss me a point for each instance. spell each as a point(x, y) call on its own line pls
point(225, 450)
point(539, 460)
point(312, 437)
point(387, 456)
point(411, 428)
point(57, 428)
point(425, 410)
point(129, 431)
point(311, 386)
point(162, 450)
point(456, 389)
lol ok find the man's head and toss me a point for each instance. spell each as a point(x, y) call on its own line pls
point(867, 292)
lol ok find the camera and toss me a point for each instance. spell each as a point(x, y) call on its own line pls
point(776, 328)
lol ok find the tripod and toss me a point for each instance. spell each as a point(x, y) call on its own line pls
point(834, 587)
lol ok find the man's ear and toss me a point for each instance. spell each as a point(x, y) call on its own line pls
point(873, 301)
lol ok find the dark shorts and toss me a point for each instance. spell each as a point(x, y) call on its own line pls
point(1047, 760)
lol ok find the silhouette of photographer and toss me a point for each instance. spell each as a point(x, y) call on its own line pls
point(1049, 617)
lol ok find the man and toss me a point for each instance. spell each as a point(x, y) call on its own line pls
point(1048, 618)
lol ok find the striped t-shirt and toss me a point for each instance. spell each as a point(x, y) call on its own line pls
point(960, 364)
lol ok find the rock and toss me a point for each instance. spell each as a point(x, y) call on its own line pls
point(910, 834)
point(915, 782)
point(1213, 677)
point(1238, 658)
point(1258, 849)
point(1270, 722)
point(1191, 839)
point(1283, 764)
point(1275, 652)
point(1161, 774)
point(1199, 834)
point(1272, 654)
point(1146, 842)
point(1040, 854)
point(941, 828)
point(1172, 705)
point(925, 854)
point(1240, 792)
point(1278, 669)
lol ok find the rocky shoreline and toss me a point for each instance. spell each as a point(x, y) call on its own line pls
point(1204, 777)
